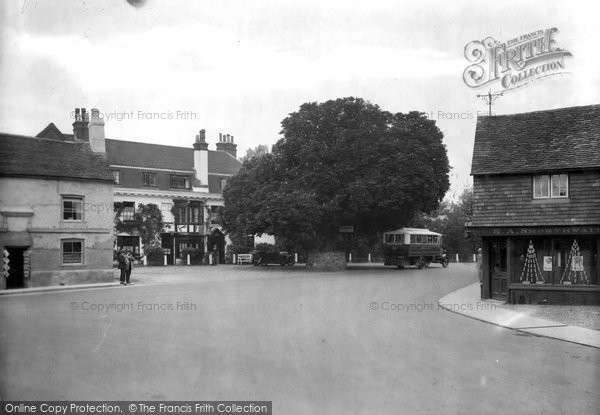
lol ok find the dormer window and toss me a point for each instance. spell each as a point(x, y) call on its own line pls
point(555, 186)
point(149, 179)
point(180, 182)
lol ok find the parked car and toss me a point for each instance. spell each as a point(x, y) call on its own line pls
point(265, 258)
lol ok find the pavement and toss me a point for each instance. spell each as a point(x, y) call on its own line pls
point(575, 324)
point(526, 319)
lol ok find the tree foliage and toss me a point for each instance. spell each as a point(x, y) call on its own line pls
point(450, 220)
point(147, 223)
point(342, 162)
point(259, 150)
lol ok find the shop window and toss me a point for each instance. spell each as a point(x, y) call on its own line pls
point(72, 207)
point(553, 186)
point(72, 251)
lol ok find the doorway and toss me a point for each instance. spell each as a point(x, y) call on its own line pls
point(16, 272)
point(498, 270)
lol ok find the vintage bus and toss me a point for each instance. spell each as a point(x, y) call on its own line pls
point(413, 246)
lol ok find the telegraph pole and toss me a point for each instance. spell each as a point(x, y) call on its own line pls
point(489, 98)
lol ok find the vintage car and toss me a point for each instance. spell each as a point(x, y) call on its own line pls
point(265, 258)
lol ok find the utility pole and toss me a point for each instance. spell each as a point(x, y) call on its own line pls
point(489, 97)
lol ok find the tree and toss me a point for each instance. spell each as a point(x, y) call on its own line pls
point(450, 220)
point(342, 162)
point(259, 150)
point(147, 223)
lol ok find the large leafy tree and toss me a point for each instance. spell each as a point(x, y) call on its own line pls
point(259, 150)
point(342, 162)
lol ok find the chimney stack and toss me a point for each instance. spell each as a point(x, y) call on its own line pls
point(96, 132)
point(201, 158)
point(80, 126)
point(226, 144)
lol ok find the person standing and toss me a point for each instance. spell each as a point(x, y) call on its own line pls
point(129, 267)
point(123, 261)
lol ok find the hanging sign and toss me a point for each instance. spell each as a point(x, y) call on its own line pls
point(547, 263)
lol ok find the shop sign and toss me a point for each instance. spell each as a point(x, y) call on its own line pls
point(530, 231)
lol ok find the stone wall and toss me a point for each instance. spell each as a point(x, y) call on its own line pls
point(326, 261)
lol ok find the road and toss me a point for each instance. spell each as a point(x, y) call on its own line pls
point(367, 340)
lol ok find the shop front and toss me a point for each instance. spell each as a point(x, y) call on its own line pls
point(541, 265)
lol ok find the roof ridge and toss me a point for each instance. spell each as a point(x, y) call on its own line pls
point(149, 144)
point(54, 140)
point(539, 111)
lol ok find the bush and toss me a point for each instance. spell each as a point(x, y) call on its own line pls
point(154, 254)
point(196, 255)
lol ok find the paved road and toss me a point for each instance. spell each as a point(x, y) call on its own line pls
point(310, 342)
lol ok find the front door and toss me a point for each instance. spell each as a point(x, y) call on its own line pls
point(16, 272)
point(498, 271)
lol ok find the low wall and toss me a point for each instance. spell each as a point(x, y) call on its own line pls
point(70, 277)
point(326, 261)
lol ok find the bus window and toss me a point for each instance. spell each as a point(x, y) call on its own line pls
point(389, 238)
point(399, 239)
point(413, 239)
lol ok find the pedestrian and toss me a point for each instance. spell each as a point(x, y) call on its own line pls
point(123, 261)
point(129, 267)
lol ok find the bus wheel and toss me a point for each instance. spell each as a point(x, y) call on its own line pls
point(445, 262)
point(400, 266)
point(421, 262)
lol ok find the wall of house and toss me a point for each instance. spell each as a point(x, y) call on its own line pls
point(133, 178)
point(44, 229)
point(507, 200)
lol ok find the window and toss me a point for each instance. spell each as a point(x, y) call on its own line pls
point(560, 185)
point(223, 183)
point(389, 238)
point(72, 207)
point(149, 179)
point(117, 176)
point(128, 212)
point(550, 186)
point(72, 251)
point(195, 212)
point(180, 182)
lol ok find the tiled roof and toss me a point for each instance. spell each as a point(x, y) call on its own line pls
point(220, 162)
point(42, 157)
point(561, 139)
point(129, 153)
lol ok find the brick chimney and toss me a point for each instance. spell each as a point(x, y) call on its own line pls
point(96, 133)
point(80, 126)
point(226, 144)
point(201, 158)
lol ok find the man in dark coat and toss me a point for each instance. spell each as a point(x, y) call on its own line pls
point(129, 257)
point(123, 265)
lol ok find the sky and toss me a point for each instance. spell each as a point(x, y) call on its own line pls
point(160, 70)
